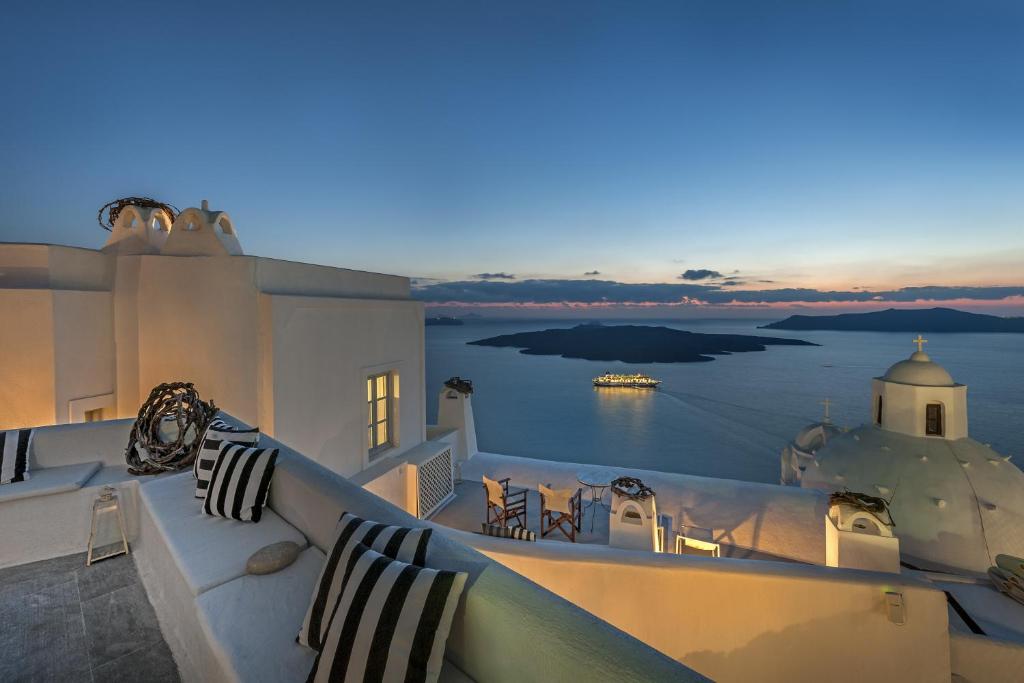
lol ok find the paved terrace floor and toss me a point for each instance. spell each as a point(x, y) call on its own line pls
point(63, 621)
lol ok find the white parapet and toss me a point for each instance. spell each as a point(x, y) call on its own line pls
point(856, 539)
point(455, 411)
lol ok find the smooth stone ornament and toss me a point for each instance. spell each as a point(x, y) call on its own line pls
point(272, 558)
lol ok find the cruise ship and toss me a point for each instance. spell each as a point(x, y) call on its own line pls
point(637, 381)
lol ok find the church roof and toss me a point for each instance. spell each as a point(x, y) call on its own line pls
point(919, 370)
point(956, 503)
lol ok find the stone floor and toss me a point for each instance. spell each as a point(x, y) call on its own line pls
point(63, 621)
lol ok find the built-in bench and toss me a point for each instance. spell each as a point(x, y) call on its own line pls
point(223, 624)
point(49, 514)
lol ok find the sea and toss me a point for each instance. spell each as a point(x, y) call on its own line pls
point(727, 418)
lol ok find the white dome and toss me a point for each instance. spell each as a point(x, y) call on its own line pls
point(920, 371)
point(956, 504)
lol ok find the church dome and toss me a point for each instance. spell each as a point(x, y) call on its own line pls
point(919, 370)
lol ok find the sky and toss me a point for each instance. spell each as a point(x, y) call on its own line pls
point(635, 158)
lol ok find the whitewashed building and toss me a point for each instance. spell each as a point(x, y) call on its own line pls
point(328, 360)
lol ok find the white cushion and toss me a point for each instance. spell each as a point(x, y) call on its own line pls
point(251, 621)
point(50, 480)
point(208, 550)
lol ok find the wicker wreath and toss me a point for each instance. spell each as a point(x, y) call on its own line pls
point(177, 402)
point(632, 488)
point(463, 386)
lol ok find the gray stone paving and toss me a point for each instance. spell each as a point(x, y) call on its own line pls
point(63, 621)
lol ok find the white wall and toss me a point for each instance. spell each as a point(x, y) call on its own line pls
point(323, 350)
point(903, 408)
point(83, 333)
point(26, 358)
point(738, 620)
point(198, 321)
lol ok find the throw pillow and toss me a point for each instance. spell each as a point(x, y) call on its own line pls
point(273, 558)
point(217, 433)
point(400, 543)
point(14, 447)
point(390, 623)
point(240, 482)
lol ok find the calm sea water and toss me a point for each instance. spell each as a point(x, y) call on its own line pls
point(727, 418)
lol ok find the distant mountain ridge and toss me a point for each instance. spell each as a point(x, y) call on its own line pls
point(902, 320)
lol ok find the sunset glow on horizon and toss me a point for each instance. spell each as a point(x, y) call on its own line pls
point(821, 147)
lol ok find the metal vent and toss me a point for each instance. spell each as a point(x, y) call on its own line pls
point(436, 483)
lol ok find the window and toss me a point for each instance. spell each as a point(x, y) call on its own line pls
point(94, 415)
point(933, 419)
point(878, 412)
point(378, 400)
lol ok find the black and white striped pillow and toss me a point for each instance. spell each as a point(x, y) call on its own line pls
point(217, 433)
point(516, 532)
point(240, 482)
point(14, 447)
point(390, 623)
point(399, 543)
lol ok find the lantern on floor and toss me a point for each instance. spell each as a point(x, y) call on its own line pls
point(107, 527)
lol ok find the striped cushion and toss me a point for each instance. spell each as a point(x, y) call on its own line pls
point(400, 543)
point(516, 532)
point(217, 433)
point(14, 447)
point(390, 623)
point(240, 482)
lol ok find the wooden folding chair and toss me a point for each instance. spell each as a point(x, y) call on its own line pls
point(559, 507)
point(504, 505)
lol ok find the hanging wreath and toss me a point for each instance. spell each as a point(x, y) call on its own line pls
point(178, 402)
point(463, 386)
point(862, 501)
point(632, 488)
point(113, 209)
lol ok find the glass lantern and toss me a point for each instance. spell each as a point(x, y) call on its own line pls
point(107, 527)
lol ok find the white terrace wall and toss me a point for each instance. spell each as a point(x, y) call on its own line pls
point(323, 349)
point(197, 320)
point(742, 620)
point(26, 358)
point(57, 343)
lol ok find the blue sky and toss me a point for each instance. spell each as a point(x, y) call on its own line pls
point(791, 146)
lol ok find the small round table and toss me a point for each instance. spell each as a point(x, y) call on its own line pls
point(597, 481)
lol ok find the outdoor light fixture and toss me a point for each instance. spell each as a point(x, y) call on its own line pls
point(106, 513)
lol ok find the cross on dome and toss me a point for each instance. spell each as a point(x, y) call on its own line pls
point(920, 343)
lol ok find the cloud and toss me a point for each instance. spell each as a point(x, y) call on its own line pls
point(495, 276)
point(608, 293)
point(771, 282)
point(700, 274)
point(592, 272)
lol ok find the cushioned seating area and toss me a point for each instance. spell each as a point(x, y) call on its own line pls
point(208, 551)
point(252, 621)
point(50, 480)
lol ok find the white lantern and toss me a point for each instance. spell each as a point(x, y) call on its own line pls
point(107, 527)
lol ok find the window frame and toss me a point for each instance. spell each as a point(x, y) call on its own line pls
point(373, 448)
point(940, 419)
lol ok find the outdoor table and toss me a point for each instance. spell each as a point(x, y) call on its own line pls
point(597, 481)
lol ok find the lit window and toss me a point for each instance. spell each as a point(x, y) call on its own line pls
point(378, 403)
point(94, 415)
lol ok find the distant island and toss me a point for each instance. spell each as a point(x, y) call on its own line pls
point(441, 320)
point(902, 320)
point(633, 343)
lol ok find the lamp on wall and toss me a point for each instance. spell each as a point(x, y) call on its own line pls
point(107, 527)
